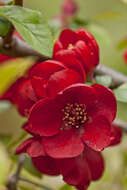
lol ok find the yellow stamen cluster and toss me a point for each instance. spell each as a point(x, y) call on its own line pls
point(74, 115)
point(70, 46)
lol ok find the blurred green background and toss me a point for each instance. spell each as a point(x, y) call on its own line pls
point(111, 15)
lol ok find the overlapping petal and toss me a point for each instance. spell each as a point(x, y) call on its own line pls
point(64, 145)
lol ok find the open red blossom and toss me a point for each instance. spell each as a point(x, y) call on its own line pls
point(78, 115)
point(45, 79)
point(78, 171)
point(81, 45)
point(50, 77)
point(116, 135)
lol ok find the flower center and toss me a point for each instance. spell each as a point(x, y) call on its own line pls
point(74, 115)
point(70, 46)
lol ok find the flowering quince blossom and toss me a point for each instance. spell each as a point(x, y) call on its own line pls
point(45, 79)
point(76, 116)
point(78, 171)
point(79, 46)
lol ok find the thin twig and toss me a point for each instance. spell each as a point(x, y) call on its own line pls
point(117, 77)
point(13, 180)
point(34, 183)
point(20, 48)
point(121, 124)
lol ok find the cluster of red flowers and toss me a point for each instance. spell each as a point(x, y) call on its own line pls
point(69, 121)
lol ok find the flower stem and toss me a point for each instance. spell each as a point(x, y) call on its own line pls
point(34, 183)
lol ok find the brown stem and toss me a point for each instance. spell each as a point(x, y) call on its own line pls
point(34, 183)
point(20, 48)
point(117, 77)
point(121, 124)
point(13, 180)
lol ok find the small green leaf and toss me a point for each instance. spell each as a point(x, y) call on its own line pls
point(67, 187)
point(4, 26)
point(32, 26)
point(121, 93)
point(105, 80)
point(12, 70)
point(122, 44)
point(28, 165)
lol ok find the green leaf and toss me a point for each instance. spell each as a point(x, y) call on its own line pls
point(12, 70)
point(105, 80)
point(28, 165)
point(67, 187)
point(121, 93)
point(32, 26)
point(4, 26)
point(122, 44)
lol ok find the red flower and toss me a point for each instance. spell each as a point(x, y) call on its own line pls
point(116, 135)
point(50, 77)
point(45, 79)
point(69, 8)
point(78, 171)
point(79, 114)
point(80, 46)
point(125, 56)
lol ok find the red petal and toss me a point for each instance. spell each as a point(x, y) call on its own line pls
point(95, 162)
point(106, 102)
point(40, 86)
point(22, 148)
point(68, 57)
point(57, 47)
point(64, 145)
point(85, 55)
point(97, 133)
point(79, 93)
point(35, 149)
point(25, 97)
point(116, 135)
point(75, 171)
point(82, 187)
point(46, 165)
point(89, 38)
point(60, 80)
point(67, 37)
point(45, 118)
point(47, 68)
point(4, 58)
